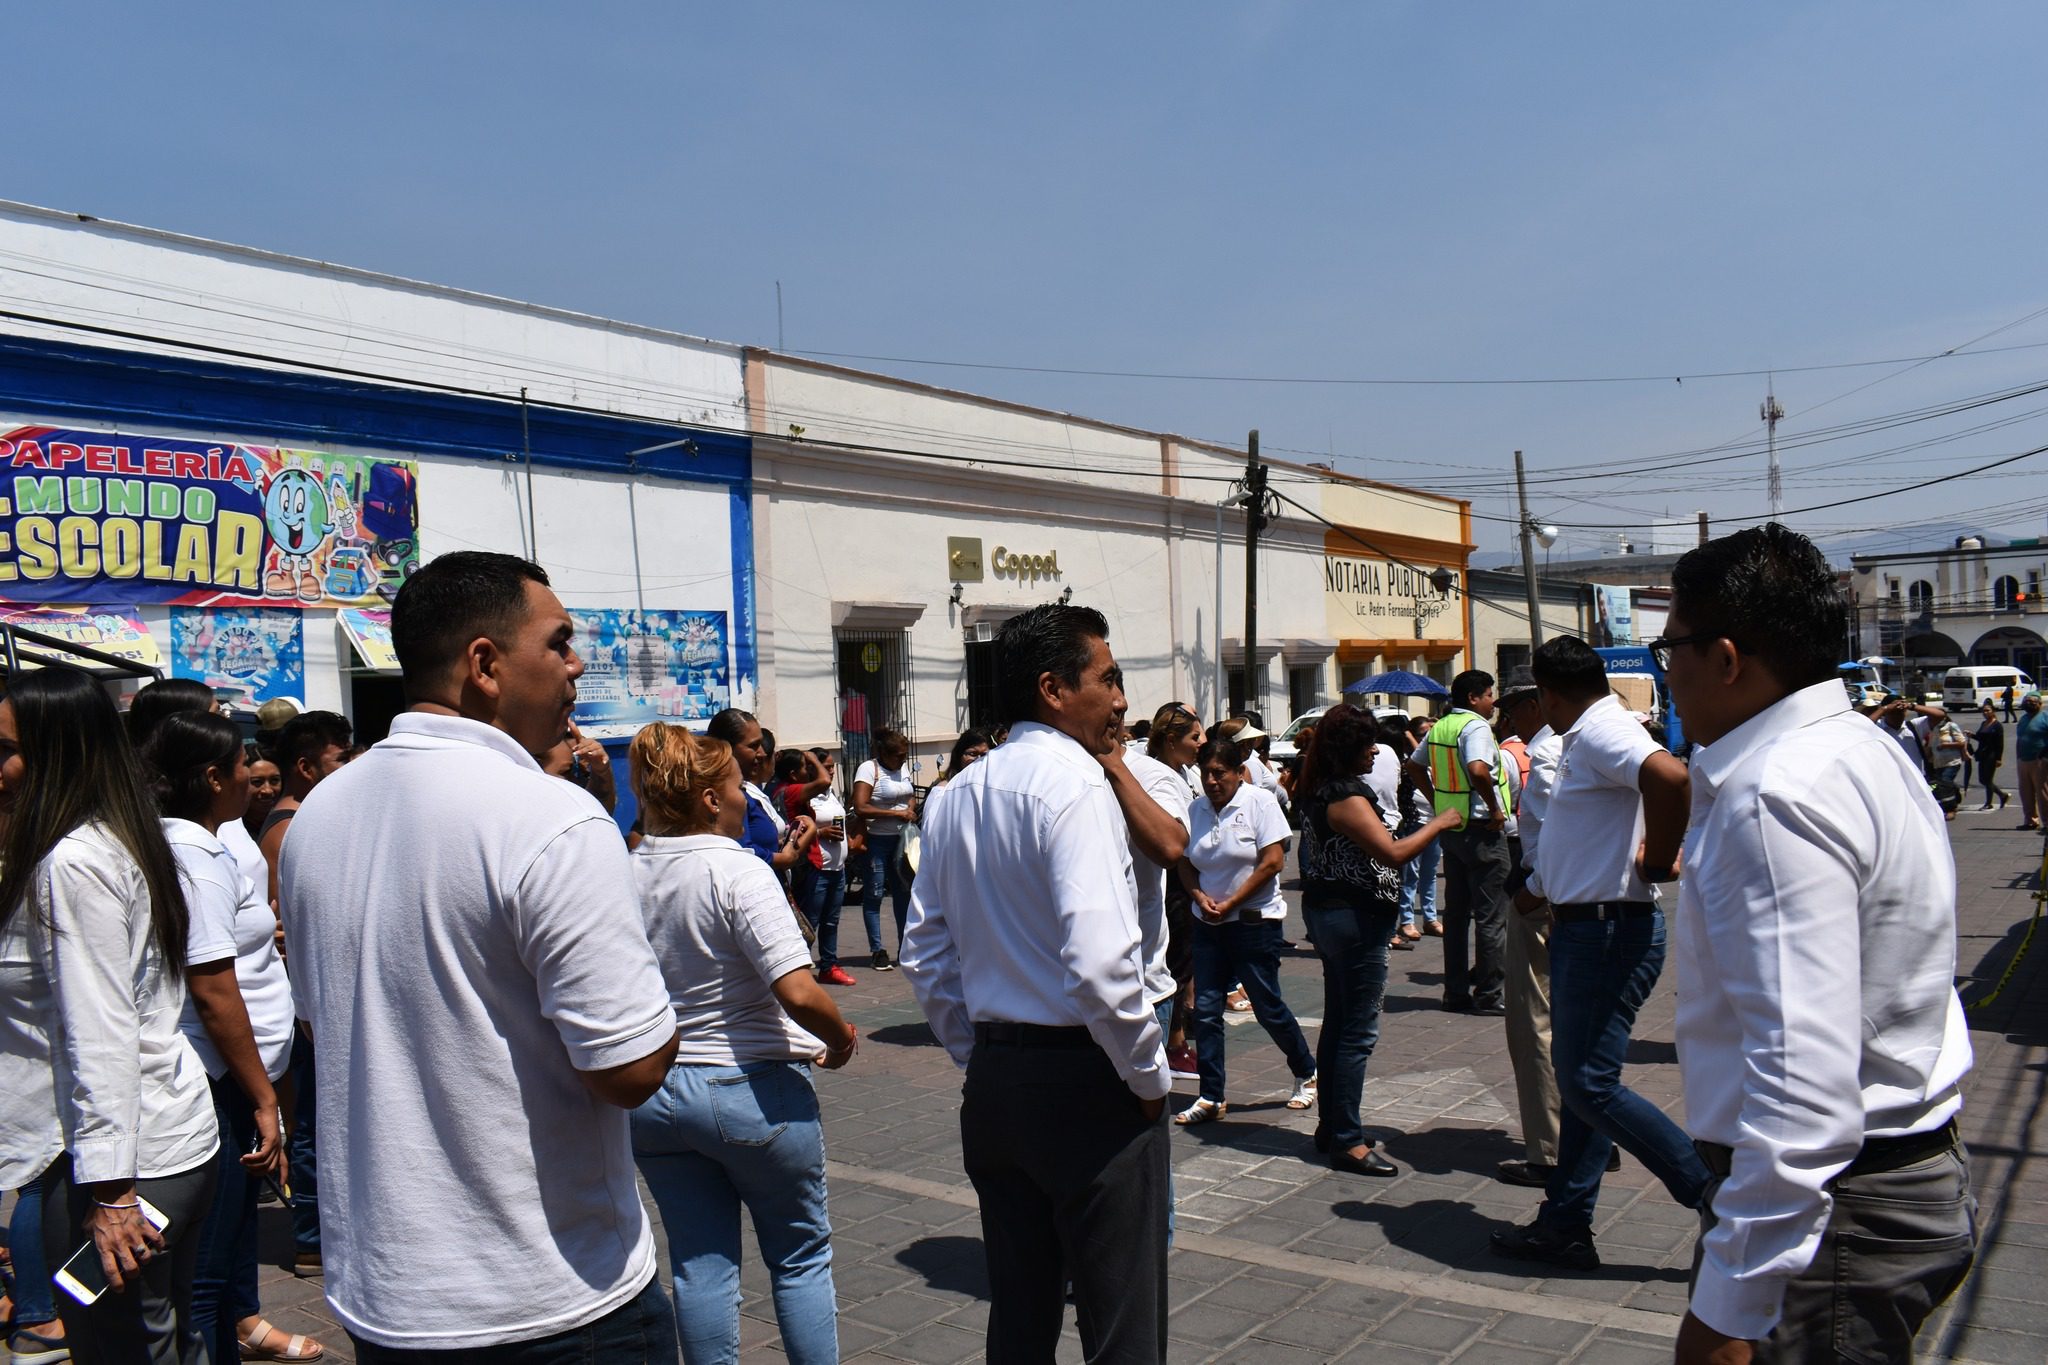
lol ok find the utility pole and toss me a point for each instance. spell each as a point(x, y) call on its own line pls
point(1528, 557)
point(1772, 414)
point(1255, 518)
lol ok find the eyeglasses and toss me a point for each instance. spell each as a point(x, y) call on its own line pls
point(1660, 649)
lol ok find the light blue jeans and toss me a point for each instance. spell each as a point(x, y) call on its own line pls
point(1418, 878)
point(712, 1139)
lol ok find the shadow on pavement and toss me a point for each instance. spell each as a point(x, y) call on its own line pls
point(955, 1265)
point(1455, 1234)
point(906, 1035)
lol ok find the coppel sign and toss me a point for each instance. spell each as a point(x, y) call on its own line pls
point(1008, 562)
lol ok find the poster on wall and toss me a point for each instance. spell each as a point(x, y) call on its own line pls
point(369, 630)
point(641, 666)
point(110, 630)
point(1614, 622)
point(257, 651)
point(99, 516)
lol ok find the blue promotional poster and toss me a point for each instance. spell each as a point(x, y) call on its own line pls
point(641, 666)
point(258, 651)
point(101, 516)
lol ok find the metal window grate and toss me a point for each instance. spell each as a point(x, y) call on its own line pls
point(875, 688)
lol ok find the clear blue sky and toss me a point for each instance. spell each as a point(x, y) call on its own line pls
point(1340, 190)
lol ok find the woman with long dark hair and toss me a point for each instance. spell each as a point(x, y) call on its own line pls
point(238, 1017)
point(106, 1100)
point(885, 796)
point(1351, 898)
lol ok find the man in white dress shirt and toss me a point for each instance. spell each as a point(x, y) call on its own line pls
point(1527, 954)
point(1026, 953)
point(1611, 831)
point(1819, 1034)
point(468, 950)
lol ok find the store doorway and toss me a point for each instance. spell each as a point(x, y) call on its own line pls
point(374, 701)
point(874, 689)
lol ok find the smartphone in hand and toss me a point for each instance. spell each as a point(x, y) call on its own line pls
point(83, 1277)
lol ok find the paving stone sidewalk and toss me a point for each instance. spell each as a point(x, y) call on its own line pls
point(1279, 1259)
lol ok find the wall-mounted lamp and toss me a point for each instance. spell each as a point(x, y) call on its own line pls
point(959, 595)
point(1066, 594)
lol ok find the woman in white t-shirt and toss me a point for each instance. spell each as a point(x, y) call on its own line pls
point(885, 796)
point(820, 881)
point(238, 1018)
point(106, 1102)
point(735, 1124)
point(1237, 843)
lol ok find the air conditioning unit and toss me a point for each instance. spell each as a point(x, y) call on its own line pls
point(981, 633)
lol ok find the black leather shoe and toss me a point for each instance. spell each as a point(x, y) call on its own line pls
point(1534, 1174)
point(1372, 1164)
point(1321, 1138)
point(1573, 1250)
point(1490, 1011)
point(1458, 1004)
point(1614, 1158)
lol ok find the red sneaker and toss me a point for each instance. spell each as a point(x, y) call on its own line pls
point(836, 975)
point(1180, 1061)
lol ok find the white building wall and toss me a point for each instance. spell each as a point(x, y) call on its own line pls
point(164, 284)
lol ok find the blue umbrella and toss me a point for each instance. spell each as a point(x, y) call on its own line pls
point(1401, 682)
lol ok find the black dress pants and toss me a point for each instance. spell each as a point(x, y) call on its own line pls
point(1072, 1179)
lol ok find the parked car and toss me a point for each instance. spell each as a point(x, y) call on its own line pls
point(1286, 748)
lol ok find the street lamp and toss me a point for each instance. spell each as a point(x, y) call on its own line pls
point(1545, 535)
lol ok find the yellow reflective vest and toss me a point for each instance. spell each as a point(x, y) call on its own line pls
point(1447, 774)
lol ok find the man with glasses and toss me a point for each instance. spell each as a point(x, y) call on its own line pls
point(1819, 1035)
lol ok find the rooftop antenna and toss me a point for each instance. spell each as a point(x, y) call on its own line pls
point(1773, 413)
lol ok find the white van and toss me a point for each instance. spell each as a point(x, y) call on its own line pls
point(1966, 689)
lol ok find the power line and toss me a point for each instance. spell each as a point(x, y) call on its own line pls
point(1388, 381)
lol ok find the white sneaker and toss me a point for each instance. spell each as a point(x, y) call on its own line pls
point(1304, 1096)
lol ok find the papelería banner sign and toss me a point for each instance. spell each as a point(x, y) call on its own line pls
point(98, 516)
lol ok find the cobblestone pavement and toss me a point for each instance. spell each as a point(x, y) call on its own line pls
point(1279, 1259)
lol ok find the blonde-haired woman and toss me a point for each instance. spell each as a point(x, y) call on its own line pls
point(736, 1121)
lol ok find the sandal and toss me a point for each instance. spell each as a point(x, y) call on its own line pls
point(1304, 1096)
point(1402, 944)
point(1237, 1002)
point(296, 1347)
point(1410, 932)
point(1201, 1111)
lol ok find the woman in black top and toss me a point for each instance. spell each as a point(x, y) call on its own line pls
point(1989, 746)
point(1351, 898)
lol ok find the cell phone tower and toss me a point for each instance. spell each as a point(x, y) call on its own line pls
point(1773, 413)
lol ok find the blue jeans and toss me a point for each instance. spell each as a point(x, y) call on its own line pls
point(1352, 941)
point(33, 1305)
point(712, 1139)
point(1243, 952)
point(819, 894)
point(1601, 972)
point(224, 1285)
point(305, 1166)
point(885, 866)
point(1418, 879)
point(637, 1332)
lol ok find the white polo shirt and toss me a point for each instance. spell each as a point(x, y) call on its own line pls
point(231, 918)
point(1024, 909)
point(1224, 845)
point(1815, 946)
point(466, 938)
point(1170, 790)
point(1593, 822)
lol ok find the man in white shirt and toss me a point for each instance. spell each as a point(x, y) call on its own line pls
point(1913, 725)
point(468, 950)
point(1819, 1034)
point(1027, 955)
point(1611, 831)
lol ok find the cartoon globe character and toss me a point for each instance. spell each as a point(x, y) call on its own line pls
point(295, 512)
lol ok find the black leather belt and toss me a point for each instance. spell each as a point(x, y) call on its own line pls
point(1602, 910)
point(995, 1033)
point(1877, 1155)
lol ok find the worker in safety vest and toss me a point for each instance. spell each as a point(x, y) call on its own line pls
point(1459, 766)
